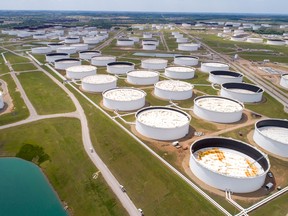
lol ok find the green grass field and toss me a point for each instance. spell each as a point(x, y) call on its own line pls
point(69, 169)
point(12, 58)
point(23, 67)
point(44, 94)
point(20, 110)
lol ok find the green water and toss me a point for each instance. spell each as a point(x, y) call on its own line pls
point(25, 191)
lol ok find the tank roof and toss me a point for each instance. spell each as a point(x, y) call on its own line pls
point(99, 79)
point(155, 60)
point(81, 68)
point(124, 94)
point(181, 69)
point(174, 85)
point(143, 73)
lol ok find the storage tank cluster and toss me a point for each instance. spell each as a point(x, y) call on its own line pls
point(272, 135)
point(180, 72)
point(213, 66)
point(98, 83)
point(284, 80)
point(246, 93)
point(124, 99)
point(142, 77)
point(185, 60)
point(188, 47)
point(79, 72)
point(228, 164)
point(154, 63)
point(162, 123)
point(221, 77)
point(173, 90)
point(102, 60)
point(218, 109)
point(120, 67)
point(64, 63)
point(88, 55)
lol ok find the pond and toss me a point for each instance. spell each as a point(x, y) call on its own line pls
point(26, 191)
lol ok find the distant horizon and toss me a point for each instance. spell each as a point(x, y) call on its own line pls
point(160, 6)
point(167, 12)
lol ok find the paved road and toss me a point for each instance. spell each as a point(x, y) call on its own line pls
point(162, 37)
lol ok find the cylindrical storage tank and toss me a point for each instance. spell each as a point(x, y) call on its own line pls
point(87, 55)
point(184, 60)
point(52, 57)
point(246, 93)
point(218, 109)
point(227, 31)
point(188, 47)
point(98, 83)
point(150, 41)
point(154, 64)
point(276, 42)
point(149, 46)
point(63, 64)
point(68, 50)
point(78, 72)
point(91, 40)
point(120, 67)
point(254, 40)
point(80, 47)
point(142, 77)
point(135, 39)
point(147, 35)
point(125, 42)
point(284, 80)
point(72, 40)
point(55, 46)
point(124, 99)
point(180, 72)
point(213, 66)
point(272, 135)
point(182, 40)
point(1, 100)
point(173, 90)
point(102, 60)
point(220, 77)
point(39, 36)
point(41, 50)
point(238, 38)
point(228, 164)
point(162, 123)
point(178, 36)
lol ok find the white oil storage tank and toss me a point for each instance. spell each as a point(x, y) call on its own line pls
point(80, 47)
point(188, 47)
point(142, 77)
point(284, 80)
point(150, 41)
point(87, 55)
point(272, 135)
point(149, 46)
point(41, 50)
point(244, 92)
point(72, 40)
point(55, 46)
point(154, 63)
point(173, 90)
point(102, 60)
point(98, 83)
point(1, 100)
point(63, 64)
point(213, 66)
point(218, 109)
point(162, 123)
point(220, 77)
point(124, 99)
point(120, 67)
point(78, 72)
point(184, 60)
point(180, 72)
point(52, 57)
point(68, 50)
point(125, 42)
point(228, 164)
point(276, 42)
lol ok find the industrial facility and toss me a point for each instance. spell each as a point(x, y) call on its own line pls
point(180, 73)
point(120, 67)
point(79, 72)
point(142, 77)
point(98, 83)
point(221, 77)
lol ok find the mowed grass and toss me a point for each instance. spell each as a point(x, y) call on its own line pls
point(69, 169)
point(12, 58)
point(23, 67)
point(20, 110)
point(148, 182)
point(44, 94)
